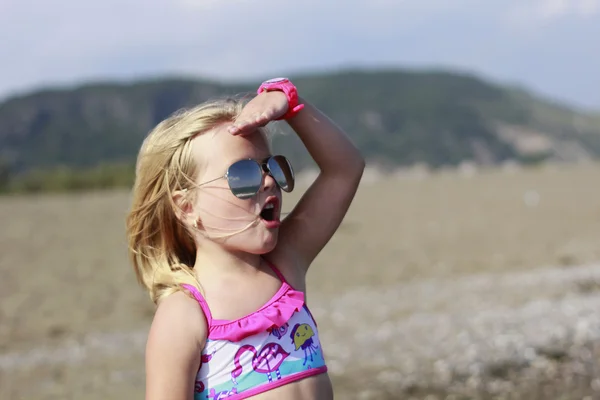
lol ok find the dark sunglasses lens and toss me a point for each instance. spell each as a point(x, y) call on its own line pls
point(245, 178)
point(282, 172)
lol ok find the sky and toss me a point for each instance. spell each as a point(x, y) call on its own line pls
point(549, 46)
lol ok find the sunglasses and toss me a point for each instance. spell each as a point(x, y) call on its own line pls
point(245, 177)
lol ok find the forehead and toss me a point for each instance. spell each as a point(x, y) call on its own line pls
point(218, 149)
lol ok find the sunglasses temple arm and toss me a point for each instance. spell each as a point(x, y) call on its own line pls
point(211, 181)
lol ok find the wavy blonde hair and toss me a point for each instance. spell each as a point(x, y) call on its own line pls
point(161, 248)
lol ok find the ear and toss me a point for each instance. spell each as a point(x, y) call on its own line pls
point(182, 206)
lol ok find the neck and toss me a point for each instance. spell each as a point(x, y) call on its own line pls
point(212, 257)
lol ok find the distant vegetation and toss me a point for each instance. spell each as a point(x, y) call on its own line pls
point(88, 136)
point(60, 179)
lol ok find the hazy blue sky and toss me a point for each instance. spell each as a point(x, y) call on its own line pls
point(551, 46)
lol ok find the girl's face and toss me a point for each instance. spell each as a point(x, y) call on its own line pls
point(218, 211)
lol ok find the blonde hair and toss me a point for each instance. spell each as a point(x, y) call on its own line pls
point(161, 248)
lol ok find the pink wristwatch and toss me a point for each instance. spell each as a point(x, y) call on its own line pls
point(287, 87)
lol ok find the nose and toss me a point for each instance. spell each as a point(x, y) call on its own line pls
point(268, 182)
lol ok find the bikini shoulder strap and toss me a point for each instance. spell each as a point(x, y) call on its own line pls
point(200, 299)
point(277, 271)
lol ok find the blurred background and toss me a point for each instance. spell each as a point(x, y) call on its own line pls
point(467, 267)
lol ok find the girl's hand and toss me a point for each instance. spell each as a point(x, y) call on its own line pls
point(259, 111)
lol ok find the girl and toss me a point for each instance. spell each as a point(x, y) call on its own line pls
point(228, 276)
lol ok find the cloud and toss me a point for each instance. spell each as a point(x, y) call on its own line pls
point(552, 9)
point(548, 11)
point(67, 42)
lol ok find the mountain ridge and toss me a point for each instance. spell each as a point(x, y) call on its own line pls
point(396, 117)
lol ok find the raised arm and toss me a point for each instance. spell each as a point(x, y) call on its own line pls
point(320, 211)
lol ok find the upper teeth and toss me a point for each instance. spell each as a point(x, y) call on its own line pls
point(269, 206)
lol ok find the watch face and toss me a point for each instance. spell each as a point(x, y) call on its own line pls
point(276, 80)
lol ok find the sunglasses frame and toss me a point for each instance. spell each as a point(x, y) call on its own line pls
point(264, 167)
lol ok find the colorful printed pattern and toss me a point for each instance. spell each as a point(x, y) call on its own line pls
point(261, 361)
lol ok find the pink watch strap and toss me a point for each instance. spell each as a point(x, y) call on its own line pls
point(287, 87)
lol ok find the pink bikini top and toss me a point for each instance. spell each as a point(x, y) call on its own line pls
point(276, 345)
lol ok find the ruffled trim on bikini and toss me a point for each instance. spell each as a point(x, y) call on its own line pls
point(272, 315)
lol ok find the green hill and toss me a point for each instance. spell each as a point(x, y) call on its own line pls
point(396, 117)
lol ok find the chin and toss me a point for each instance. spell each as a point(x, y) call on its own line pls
point(268, 245)
point(254, 241)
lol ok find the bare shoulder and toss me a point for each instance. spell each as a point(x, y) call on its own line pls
point(175, 342)
point(179, 315)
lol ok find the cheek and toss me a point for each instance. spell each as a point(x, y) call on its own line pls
point(222, 210)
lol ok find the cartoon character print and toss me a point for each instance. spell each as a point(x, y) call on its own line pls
point(221, 395)
point(302, 338)
point(266, 361)
point(199, 385)
point(280, 332)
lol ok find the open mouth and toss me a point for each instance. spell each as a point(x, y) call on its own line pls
point(270, 211)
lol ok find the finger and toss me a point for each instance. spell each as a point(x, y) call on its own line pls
point(238, 130)
point(238, 126)
point(241, 127)
point(262, 118)
point(251, 123)
point(249, 119)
